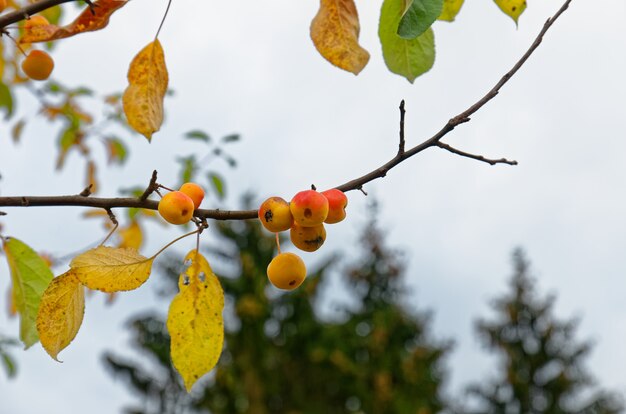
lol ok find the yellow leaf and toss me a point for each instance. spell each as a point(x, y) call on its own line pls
point(60, 313)
point(512, 8)
point(12, 308)
point(450, 9)
point(147, 84)
point(87, 21)
point(131, 236)
point(195, 321)
point(335, 33)
point(111, 269)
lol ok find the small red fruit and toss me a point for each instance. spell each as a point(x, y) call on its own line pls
point(309, 208)
point(337, 202)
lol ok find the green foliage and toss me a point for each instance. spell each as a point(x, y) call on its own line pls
point(6, 360)
point(541, 367)
point(418, 17)
point(409, 58)
point(30, 276)
point(281, 357)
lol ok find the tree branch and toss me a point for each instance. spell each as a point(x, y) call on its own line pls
point(29, 10)
point(474, 156)
point(118, 202)
point(356, 184)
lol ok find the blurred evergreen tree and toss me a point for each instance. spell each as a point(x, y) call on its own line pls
point(542, 365)
point(280, 357)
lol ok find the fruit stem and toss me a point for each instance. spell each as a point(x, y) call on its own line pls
point(277, 243)
point(17, 45)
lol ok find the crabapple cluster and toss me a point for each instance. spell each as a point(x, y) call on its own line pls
point(177, 207)
point(304, 217)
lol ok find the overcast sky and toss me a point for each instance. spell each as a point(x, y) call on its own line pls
point(250, 67)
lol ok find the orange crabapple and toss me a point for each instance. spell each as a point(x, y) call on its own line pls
point(275, 215)
point(337, 202)
point(37, 20)
point(309, 208)
point(38, 65)
point(286, 271)
point(176, 207)
point(195, 192)
point(308, 239)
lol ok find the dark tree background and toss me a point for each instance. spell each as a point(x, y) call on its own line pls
point(280, 357)
point(541, 362)
point(375, 357)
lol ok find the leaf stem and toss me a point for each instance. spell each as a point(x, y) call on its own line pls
point(169, 3)
point(115, 226)
point(172, 242)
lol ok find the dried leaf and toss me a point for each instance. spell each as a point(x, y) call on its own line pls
point(450, 9)
point(85, 22)
point(335, 33)
point(147, 85)
point(512, 8)
point(60, 313)
point(195, 321)
point(30, 276)
point(111, 269)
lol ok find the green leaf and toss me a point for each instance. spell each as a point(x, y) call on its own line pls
point(197, 134)
point(231, 138)
point(450, 9)
point(408, 58)
point(418, 16)
point(218, 184)
point(9, 363)
point(6, 100)
point(30, 277)
point(117, 152)
point(189, 168)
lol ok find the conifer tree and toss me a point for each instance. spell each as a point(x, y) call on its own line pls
point(542, 365)
point(280, 357)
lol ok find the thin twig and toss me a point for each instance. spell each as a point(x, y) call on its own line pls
point(86, 192)
point(474, 156)
point(401, 145)
point(357, 183)
point(152, 186)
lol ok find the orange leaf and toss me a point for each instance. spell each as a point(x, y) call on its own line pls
point(335, 33)
point(147, 84)
point(85, 22)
